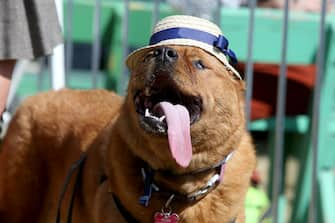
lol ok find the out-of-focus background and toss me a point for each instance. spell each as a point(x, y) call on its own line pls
point(286, 52)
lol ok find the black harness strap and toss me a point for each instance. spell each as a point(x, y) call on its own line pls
point(77, 165)
point(124, 212)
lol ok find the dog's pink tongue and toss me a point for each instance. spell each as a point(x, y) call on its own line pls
point(178, 121)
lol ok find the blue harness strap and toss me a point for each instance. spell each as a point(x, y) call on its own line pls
point(148, 186)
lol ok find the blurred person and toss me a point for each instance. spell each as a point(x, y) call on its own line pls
point(299, 5)
point(205, 8)
point(28, 29)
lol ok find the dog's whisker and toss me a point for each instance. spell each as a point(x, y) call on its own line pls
point(162, 118)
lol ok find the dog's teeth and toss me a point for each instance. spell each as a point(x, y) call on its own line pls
point(147, 113)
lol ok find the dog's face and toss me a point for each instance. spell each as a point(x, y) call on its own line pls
point(177, 94)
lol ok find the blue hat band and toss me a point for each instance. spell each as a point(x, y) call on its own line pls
point(220, 42)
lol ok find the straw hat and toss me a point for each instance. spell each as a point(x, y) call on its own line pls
point(189, 31)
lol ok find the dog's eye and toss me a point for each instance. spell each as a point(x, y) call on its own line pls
point(199, 64)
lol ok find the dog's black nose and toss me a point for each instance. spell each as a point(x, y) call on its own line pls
point(166, 54)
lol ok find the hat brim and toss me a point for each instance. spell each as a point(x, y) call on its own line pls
point(138, 54)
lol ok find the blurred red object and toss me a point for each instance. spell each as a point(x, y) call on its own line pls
point(255, 178)
point(300, 84)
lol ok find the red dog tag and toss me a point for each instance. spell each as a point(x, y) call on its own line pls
point(161, 217)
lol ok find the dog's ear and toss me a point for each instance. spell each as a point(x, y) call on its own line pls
point(242, 96)
point(241, 84)
point(241, 73)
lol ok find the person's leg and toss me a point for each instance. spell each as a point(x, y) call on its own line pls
point(6, 70)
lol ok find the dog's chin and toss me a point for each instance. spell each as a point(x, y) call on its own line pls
point(150, 114)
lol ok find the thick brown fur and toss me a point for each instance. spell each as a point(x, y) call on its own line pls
point(50, 130)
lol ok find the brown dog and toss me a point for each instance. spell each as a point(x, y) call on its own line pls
point(181, 125)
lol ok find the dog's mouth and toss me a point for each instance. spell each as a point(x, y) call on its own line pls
point(149, 105)
point(168, 111)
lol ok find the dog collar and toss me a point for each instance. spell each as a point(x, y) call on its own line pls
point(150, 186)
